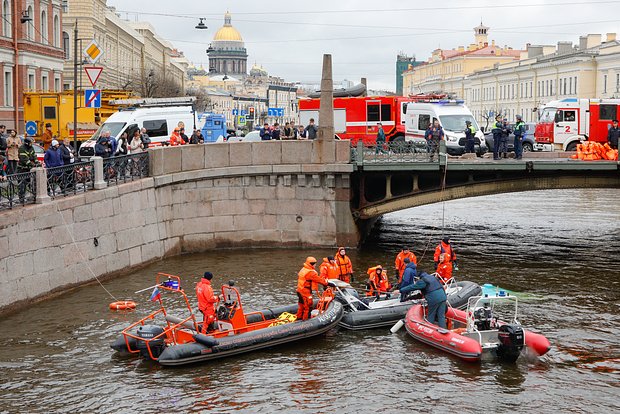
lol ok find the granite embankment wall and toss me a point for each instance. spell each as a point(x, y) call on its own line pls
point(197, 198)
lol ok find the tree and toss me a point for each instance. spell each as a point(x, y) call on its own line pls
point(156, 85)
point(489, 114)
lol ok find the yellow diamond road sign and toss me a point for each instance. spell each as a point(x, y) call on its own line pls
point(93, 52)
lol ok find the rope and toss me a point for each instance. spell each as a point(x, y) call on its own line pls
point(85, 261)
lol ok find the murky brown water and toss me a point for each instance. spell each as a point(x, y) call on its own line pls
point(561, 246)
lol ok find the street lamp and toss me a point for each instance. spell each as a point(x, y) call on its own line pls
point(25, 17)
point(201, 25)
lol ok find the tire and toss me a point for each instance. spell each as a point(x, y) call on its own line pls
point(527, 147)
point(398, 144)
point(572, 146)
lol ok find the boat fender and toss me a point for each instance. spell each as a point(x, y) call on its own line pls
point(397, 326)
point(123, 305)
point(206, 340)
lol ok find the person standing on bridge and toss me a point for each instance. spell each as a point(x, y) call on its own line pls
point(613, 135)
point(498, 126)
point(379, 147)
point(470, 132)
point(434, 136)
point(503, 146)
point(345, 268)
point(311, 130)
point(206, 301)
point(519, 134)
point(265, 133)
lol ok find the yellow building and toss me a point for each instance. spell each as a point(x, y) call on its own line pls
point(435, 75)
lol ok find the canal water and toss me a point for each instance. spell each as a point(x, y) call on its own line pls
point(561, 248)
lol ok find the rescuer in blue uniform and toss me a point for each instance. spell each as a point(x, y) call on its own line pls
point(519, 134)
point(470, 132)
point(433, 292)
point(498, 127)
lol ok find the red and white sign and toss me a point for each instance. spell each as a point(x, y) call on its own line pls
point(93, 73)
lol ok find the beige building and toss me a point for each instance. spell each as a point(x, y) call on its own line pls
point(445, 66)
point(134, 57)
point(590, 69)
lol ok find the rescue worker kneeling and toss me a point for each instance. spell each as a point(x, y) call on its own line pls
point(206, 301)
point(377, 282)
point(434, 294)
point(306, 276)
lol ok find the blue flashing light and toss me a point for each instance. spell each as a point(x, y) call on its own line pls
point(502, 293)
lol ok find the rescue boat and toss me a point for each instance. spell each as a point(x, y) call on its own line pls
point(386, 310)
point(179, 341)
point(479, 332)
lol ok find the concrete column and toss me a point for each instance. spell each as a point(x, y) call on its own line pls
point(443, 153)
point(41, 180)
point(326, 144)
point(99, 181)
point(388, 187)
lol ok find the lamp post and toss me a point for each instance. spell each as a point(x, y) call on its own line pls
point(75, 98)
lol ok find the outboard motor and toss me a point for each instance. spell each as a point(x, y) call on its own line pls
point(157, 346)
point(511, 342)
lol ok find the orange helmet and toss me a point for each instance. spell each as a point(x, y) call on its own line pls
point(310, 260)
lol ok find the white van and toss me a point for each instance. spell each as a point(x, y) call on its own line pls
point(158, 121)
point(452, 114)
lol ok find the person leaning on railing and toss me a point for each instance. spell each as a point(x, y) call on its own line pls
point(27, 161)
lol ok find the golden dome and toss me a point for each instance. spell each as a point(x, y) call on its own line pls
point(227, 32)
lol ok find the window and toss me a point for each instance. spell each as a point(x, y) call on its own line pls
point(56, 31)
point(608, 112)
point(56, 84)
point(386, 112)
point(44, 83)
point(49, 112)
point(30, 25)
point(575, 85)
point(531, 86)
point(423, 122)
point(66, 45)
point(617, 82)
point(65, 6)
point(156, 128)
point(569, 116)
point(373, 113)
point(44, 34)
point(31, 84)
point(7, 18)
point(604, 83)
point(8, 89)
point(551, 87)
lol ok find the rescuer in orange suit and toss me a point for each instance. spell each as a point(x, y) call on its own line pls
point(327, 270)
point(444, 269)
point(444, 247)
point(345, 268)
point(47, 136)
point(399, 263)
point(377, 281)
point(175, 138)
point(206, 300)
point(305, 278)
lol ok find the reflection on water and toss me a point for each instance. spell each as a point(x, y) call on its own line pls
point(560, 246)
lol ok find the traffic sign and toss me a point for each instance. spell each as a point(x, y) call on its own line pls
point(31, 128)
point(92, 98)
point(235, 112)
point(275, 111)
point(241, 120)
point(93, 52)
point(93, 73)
point(243, 112)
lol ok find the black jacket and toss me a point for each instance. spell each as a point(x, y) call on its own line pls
point(66, 153)
point(612, 137)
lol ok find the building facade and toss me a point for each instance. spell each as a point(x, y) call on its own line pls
point(590, 69)
point(227, 52)
point(31, 54)
point(134, 57)
point(444, 66)
point(403, 64)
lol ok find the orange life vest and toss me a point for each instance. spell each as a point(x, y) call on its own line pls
point(399, 263)
point(377, 282)
point(205, 296)
point(305, 277)
point(444, 271)
point(344, 265)
point(443, 248)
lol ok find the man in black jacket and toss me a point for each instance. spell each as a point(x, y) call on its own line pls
point(613, 134)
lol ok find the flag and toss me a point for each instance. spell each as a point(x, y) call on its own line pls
point(156, 295)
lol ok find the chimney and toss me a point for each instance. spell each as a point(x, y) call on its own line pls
point(565, 47)
point(534, 51)
point(589, 41)
point(611, 37)
point(583, 42)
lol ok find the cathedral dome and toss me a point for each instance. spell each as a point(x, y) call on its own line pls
point(228, 33)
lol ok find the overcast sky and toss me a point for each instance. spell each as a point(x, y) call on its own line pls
point(288, 38)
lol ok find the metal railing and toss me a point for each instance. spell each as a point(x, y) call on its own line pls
point(118, 170)
point(18, 189)
point(392, 152)
point(70, 179)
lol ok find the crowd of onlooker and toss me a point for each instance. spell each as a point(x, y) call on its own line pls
point(289, 131)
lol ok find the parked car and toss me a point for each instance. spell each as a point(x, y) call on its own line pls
point(528, 140)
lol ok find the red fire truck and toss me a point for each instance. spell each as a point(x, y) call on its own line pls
point(565, 123)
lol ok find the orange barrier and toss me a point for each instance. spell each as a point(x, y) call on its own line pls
point(123, 305)
point(593, 151)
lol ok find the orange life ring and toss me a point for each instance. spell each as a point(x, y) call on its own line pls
point(122, 305)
